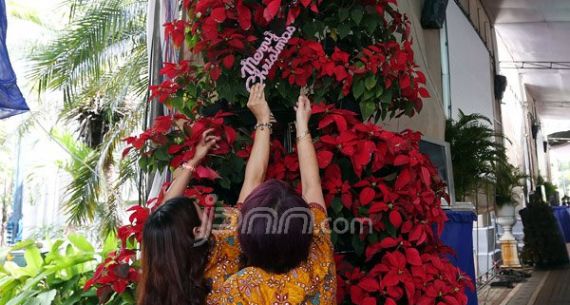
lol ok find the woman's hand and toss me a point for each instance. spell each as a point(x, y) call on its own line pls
point(303, 112)
point(202, 232)
point(183, 174)
point(258, 105)
point(207, 142)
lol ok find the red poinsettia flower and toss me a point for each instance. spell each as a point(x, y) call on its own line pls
point(164, 91)
point(134, 229)
point(341, 118)
point(334, 186)
point(176, 30)
point(173, 70)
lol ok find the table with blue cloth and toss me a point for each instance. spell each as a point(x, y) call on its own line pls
point(458, 235)
point(562, 215)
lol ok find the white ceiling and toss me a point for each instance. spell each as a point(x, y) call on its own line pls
point(537, 31)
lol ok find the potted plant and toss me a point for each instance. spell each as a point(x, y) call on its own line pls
point(476, 148)
point(508, 187)
point(550, 190)
point(509, 194)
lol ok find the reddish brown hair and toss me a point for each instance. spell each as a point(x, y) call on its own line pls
point(267, 244)
point(172, 264)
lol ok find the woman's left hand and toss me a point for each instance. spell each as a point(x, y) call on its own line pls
point(207, 218)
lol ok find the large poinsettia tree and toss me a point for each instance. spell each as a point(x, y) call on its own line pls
point(356, 59)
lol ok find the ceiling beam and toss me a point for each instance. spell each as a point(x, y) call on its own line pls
point(535, 65)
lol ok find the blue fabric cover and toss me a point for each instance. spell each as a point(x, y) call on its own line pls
point(11, 100)
point(458, 235)
point(562, 215)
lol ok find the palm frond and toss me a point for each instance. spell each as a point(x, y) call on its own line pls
point(97, 40)
point(83, 190)
point(476, 149)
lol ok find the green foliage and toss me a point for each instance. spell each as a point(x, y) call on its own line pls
point(549, 188)
point(100, 39)
point(543, 242)
point(99, 63)
point(56, 277)
point(507, 177)
point(82, 191)
point(476, 149)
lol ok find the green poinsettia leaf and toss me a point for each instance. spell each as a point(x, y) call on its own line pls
point(356, 14)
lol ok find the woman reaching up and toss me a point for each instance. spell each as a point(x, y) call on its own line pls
point(284, 236)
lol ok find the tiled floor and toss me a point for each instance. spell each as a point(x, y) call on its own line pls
point(550, 287)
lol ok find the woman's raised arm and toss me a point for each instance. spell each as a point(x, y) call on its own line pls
point(259, 158)
point(183, 174)
point(310, 177)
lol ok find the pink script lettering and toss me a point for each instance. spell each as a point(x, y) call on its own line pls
point(267, 52)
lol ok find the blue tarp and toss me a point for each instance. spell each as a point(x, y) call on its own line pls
point(11, 100)
point(562, 215)
point(458, 235)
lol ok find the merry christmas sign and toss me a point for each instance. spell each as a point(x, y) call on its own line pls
point(266, 56)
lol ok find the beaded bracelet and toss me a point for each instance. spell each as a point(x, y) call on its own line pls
point(303, 135)
point(262, 126)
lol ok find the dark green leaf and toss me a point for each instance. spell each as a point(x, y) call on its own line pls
point(358, 88)
point(367, 108)
point(387, 97)
point(357, 244)
point(371, 23)
point(343, 30)
point(161, 153)
point(343, 14)
point(368, 95)
point(356, 14)
point(370, 82)
point(337, 205)
point(390, 229)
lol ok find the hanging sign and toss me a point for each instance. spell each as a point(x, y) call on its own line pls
point(266, 55)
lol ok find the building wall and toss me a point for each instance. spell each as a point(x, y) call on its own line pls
point(470, 67)
point(431, 120)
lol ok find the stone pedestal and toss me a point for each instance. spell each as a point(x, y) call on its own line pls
point(509, 253)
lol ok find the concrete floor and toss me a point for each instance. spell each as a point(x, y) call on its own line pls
point(545, 287)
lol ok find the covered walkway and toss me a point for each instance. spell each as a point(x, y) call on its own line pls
point(545, 287)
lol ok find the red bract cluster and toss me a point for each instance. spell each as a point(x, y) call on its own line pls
point(173, 139)
point(405, 202)
point(227, 31)
point(115, 274)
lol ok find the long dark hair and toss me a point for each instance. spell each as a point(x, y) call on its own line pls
point(172, 265)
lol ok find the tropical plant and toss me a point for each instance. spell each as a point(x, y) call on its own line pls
point(349, 53)
point(507, 177)
point(476, 149)
point(56, 277)
point(99, 63)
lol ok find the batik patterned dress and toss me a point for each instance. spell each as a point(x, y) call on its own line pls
point(311, 283)
point(225, 254)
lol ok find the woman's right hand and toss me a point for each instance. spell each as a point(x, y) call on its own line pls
point(258, 105)
point(303, 111)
